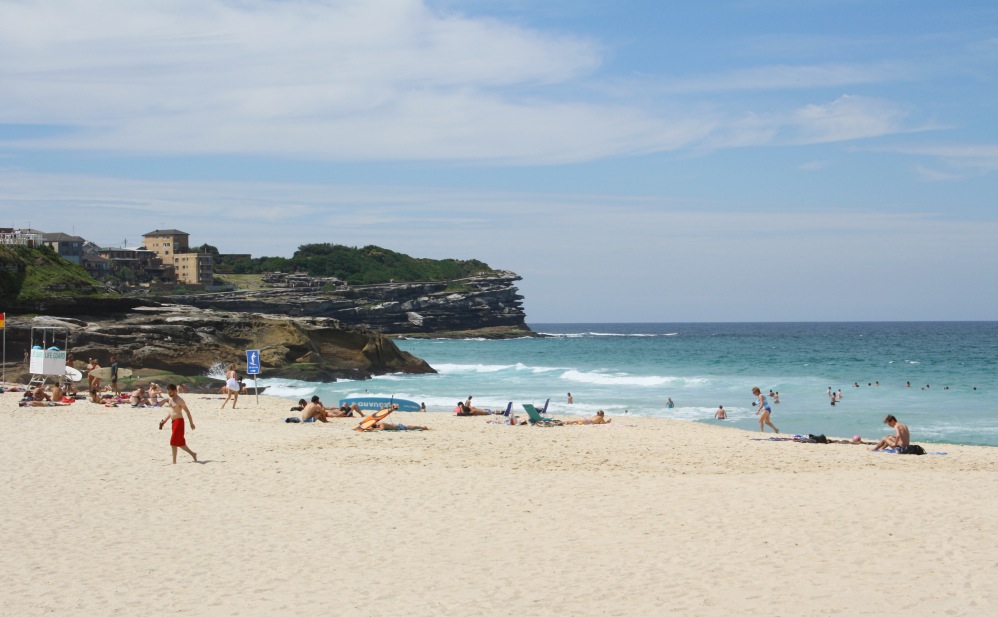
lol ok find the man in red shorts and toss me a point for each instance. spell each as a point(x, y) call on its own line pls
point(177, 407)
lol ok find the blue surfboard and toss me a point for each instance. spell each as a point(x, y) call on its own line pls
point(374, 403)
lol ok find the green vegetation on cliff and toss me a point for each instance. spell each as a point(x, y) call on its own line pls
point(359, 266)
point(30, 275)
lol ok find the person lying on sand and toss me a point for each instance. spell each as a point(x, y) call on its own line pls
point(381, 425)
point(32, 403)
point(597, 419)
point(465, 409)
point(345, 411)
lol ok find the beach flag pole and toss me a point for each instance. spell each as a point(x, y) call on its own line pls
point(3, 326)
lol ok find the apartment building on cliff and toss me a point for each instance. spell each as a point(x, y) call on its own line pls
point(173, 248)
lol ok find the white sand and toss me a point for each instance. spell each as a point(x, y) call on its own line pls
point(643, 517)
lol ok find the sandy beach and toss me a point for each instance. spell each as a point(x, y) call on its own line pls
point(641, 517)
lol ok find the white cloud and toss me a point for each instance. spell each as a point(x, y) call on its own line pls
point(846, 118)
point(978, 157)
point(787, 76)
point(813, 166)
point(360, 80)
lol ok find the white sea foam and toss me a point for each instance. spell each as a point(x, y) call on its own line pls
point(472, 368)
point(609, 334)
point(626, 379)
point(217, 370)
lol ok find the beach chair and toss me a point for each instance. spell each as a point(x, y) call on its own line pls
point(509, 409)
point(536, 419)
point(544, 409)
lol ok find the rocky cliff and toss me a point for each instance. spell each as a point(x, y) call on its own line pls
point(188, 341)
point(481, 305)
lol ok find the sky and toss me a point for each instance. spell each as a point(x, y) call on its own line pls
point(633, 161)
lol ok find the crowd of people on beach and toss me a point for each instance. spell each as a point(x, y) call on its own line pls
point(110, 395)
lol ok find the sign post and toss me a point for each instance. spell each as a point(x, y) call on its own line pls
point(253, 368)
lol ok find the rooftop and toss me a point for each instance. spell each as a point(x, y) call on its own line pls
point(166, 232)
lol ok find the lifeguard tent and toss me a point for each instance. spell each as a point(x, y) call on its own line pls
point(48, 353)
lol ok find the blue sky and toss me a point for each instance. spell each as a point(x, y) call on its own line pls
point(742, 160)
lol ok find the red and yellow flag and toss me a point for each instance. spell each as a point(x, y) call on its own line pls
point(2, 315)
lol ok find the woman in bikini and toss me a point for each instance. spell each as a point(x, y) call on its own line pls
point(597, 419)
point(763, 410)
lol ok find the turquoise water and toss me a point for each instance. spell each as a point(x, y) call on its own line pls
point(632, 369)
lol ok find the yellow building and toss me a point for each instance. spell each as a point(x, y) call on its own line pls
point(172, 246)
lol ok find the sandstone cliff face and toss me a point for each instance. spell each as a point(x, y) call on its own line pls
point(188, 341)
point(477, 304)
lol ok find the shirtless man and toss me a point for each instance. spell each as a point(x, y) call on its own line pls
point(597, 419)
point(39, 394)
point(315, 410)
point(899, 439)
point(177, 408)
point(720, 414)
point(56, 393)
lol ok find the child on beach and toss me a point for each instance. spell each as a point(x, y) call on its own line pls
point(177, 407)
point(763, 409)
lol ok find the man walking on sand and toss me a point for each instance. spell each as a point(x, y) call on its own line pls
point(899, 439)
point(177, 407)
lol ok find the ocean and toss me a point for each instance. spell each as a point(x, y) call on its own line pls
point(632, 369)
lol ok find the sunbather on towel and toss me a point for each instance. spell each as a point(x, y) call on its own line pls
point(381, 425)
point(899, 439)
point(388, 426)
point(345, 411)
point(597, 419)
point(32, 403)
point(465, 409)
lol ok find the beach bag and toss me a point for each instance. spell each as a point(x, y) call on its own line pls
point(817, 439)
point(912, 449)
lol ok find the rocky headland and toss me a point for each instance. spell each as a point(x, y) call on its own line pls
point(483, 306)
point(187, 341)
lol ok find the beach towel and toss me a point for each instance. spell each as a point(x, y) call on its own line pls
point(898, 451)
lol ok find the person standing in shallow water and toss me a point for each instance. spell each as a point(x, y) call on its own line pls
point(177, 408)
point(763, 410)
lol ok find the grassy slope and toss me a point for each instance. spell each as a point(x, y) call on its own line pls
point(32, 275)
